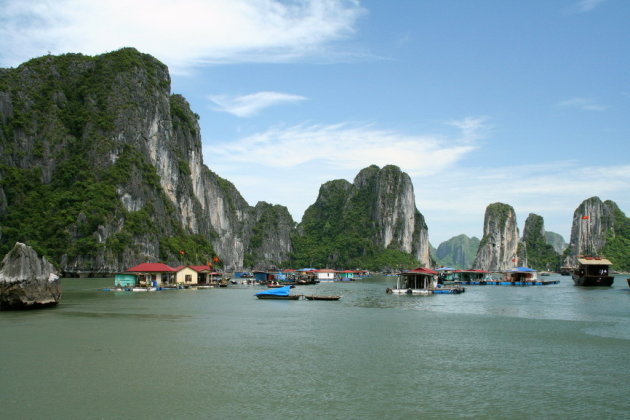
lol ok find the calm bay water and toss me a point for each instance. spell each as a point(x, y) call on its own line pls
point(554, 351)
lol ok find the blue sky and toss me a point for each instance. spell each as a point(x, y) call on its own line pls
point(521, 102)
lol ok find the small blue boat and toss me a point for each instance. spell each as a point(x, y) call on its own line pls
point(278, 293)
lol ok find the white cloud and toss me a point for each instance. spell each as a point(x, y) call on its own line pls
point(249, 105)
point(182, 34)
point(347, 146)
point(585, 104)
point(584, 6)
point(290, 163)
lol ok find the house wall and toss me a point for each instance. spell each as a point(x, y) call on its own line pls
point(125, 280)
point(326, 275)
point(180, 276)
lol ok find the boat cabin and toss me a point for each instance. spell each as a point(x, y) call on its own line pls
point(593, 271)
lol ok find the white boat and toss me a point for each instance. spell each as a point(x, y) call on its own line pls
point(143, 289)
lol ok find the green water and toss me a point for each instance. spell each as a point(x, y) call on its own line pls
point(493, 352)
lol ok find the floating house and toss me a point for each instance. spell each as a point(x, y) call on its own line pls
point(186, 276)
point(471, 276)
point(421, 281)
point(307, 276)
point(203, 274)
point(326, 274)
point(269, 276)
point(446, 274)
point(125, 280)
point(347, 275)
point(153, 274)
point(519, 275)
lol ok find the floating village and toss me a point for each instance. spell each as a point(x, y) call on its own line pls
point(151, 277)
point(21, 290)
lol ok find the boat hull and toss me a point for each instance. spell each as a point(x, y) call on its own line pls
point(276, 297)
point(427, 292)
point(593, 281)
point(315, 297)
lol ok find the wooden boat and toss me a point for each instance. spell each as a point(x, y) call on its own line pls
point(628, 280)
point(279, 297)
point(593, 271)
point(322, 297)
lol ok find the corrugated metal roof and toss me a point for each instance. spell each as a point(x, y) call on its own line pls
point(594, 261)
point(151, 268)
point(421, 270)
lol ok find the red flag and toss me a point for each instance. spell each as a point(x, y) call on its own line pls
point(584, 217)
point(215, 259)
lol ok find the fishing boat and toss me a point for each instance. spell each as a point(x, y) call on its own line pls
point(423, 282)
point(280, 293)
point(322, 297)
point(592, 271)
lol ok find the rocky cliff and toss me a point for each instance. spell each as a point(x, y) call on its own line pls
point(101, 168)
point(458, 252)
point(499, 246)
point(556, 241)
point(372, 221)
point(27, 281)
point(600, 229)
point(534, 250)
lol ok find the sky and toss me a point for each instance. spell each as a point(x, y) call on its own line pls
point(521, 102)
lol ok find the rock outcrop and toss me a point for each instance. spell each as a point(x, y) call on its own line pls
point(498, 249)
point(458, 252)
point(27, 281)
point(104, 142)
point(353, 225)
point(600, 228)
point(534, 251)
point(591, 221)
point(556, 241)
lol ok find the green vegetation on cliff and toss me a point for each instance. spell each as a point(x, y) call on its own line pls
point(459, 252)
point(64, 157)
point(539, 254)
point(338, 230)
point(617, 248)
